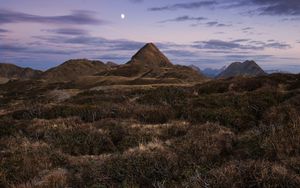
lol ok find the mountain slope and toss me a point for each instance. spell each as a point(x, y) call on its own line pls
point(150, 63)
point(73, 69)
point(150, 56)
point(194, 67)
point(248, 68)
point(10, 71)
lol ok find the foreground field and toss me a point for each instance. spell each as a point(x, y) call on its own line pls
point(241, 132)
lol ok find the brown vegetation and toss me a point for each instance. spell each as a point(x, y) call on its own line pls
point(237, 132)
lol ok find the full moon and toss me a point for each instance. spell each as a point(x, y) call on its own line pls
point(122, 16)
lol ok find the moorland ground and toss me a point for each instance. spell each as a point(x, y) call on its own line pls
point(236, 132)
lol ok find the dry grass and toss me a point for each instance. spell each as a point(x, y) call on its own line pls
point(204, 144)
point(57, 178)
point(23, 160)
point(253, 174)
point(241, 132)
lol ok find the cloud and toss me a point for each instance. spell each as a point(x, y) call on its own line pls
point(3, 31)
point(180, 53)
point(118, 44)
point(11, 47)
point(76, 17)
point(189, 5)
point(212, 24)
point(112, 57)
point(67, 31)
point(292, 19)
point(223, 45)
point(136, 1)
point(278, 7)
point(243, 44)
point(19, 48)
point(95, 42)
point(184, 19)
point(271, 7)
point(247, 28)
point(240, 40)
point(259, 7)
point(244, 57)
point(217, 24)
point(277, 45)
point(219, 33)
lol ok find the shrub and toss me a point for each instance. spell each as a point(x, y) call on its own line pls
point(154, 114)
point(73, 138)
point(125, 134)
point(174, 130)
point(252, 174)
point(283, 140)
point(248, 145)
point(165, 95)
point(204, 144)
point(98, 98)
point(216, 86)
point(8, 128)
point(143, 166)
point(24, 160)
point(54, 178)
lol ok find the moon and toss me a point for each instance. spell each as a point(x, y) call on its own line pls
point(123, 16)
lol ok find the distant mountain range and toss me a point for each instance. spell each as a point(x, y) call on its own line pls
point(149, 65)
point(248, 68)
point(276, 71)
point(209, 72)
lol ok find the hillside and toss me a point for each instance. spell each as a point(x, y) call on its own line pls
point(240, 131)
point(10, 71)
point(150, 63)
point(73, 69)
point(248, 68)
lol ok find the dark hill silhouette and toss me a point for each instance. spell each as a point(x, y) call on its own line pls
point(248, 68)
point(11, 71)
point(150, 62)
point(149, 65)
point(73, 69)
point(150, 56)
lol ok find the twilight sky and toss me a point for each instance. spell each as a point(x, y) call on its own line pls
point(206, 33)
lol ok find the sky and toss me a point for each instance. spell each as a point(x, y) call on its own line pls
point(206, 33)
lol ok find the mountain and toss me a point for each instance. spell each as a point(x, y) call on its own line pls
point(10, 71)
point(209, 72)
point(150, 56)
point(111, 64)
point(150, 63)
point(194, 67)
point(73, 69)
point(248, 68)
point(276, 71)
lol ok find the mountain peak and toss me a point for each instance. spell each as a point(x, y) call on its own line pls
point(150, 45)
point(248, 68)
point(150, 55)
